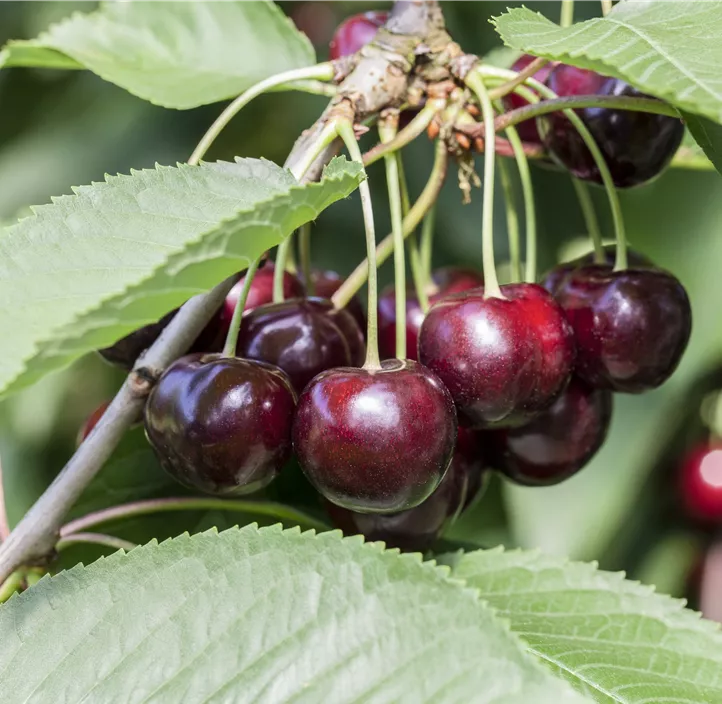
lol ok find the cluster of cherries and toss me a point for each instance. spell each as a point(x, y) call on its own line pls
point(521, 380)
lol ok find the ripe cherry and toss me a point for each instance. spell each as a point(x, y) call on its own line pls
point(91, 421)
point(354, 32)
point(701, 482)
point(375, 440)
point(221, 425)
point(636, 146)
point(527, 130)
point(446, 281)
point(302, 336)
point(504, 360)
point(631, 327)
point(418, 528)
point(326, 283)
point(558, 442)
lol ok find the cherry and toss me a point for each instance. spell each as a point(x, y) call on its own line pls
point(91, 421)
point(447, 280)
point(221, 425)
point(636, 146)
point(558, 442)
point(326, 283)
point(302, 336)
point(527, 130)
point(416, 529)
point(375, 440)
point(504, 360)
point(631, 326)
point(355, 32)
point(701, 482)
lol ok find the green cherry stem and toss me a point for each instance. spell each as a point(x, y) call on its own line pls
point(387, 129)
point(108, 541)
point(509, 86)
point(229, 348)
point(427, 240)
point(586, 205)
point(491, 283)
point(567, 13)
point(321, 72)
point(512, 219)
point(346, 132)
point(304, 255)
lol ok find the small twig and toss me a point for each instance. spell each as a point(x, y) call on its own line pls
point(109, 541)
point(527, 72)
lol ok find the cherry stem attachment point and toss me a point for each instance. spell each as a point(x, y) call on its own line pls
point(229, 348)
point(491, 283)
point(321, 72)
point(512, 220)
point(567, 13)
point(346, 132)
point(590, 218)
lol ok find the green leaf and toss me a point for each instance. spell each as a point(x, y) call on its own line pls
point(690, 155)
point(614, 640)
point(174, 54)
point(708, 135)
point(85, 271)
point(667, 49)
point(264, 616)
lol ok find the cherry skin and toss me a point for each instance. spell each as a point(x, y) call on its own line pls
point(527, 130)
point(701, 482)
point(636, 146)
point(504, 360)
point(355, 32)
point(302, 336)
point(447, 280)
point(558, 442)
point(91, 421)
point(375, 441)
point(631, 326)
point(326, 283)
point(221, 425)
point(416, 529)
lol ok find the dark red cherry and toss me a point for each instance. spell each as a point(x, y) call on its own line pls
point(221, 425)
point(302, 336)
point(558, 442)
point(91, 421)
point(375, 441)
point(631, 327)
point(527, 130)
point(326, 283)
point(416, 529)
point(354, 32)
point(504, 360)
point(637, 146)
point(701, 482)
point(447, 280)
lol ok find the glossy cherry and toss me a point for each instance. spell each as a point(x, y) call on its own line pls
point(631, 327)
point(375, 441)
point(637, 146)
point(416, 529)
point(504, 360)
point(221, 425)
point(446, 280)
point(326, 283)
point(527, 130)
point(354, 32)
point(91, 421)
point(302, 336)
point(701, 482)
point(558, 442)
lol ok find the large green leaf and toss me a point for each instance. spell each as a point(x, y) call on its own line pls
point(667, 49)
point(175, 54)
point(263, 616)
point(614, 640)
point(82, 272)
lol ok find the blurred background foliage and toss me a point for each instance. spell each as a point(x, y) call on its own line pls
point(59, 129)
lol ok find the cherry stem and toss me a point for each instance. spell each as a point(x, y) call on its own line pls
point(304, 252)
point(512, 220)
point(346, 132)
point(229, 348)
point(491, 283)
point(419, 279)
point(204, 503)
point(406, 135)
point(324, 138)
point(590, 218)
point(4, 524)
point(427, 240)
point(567, 14)
point(387, 127)
point(527, 72)
point(420, 208)
point(323, 72)
point(606, 7)
point(108, 541)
